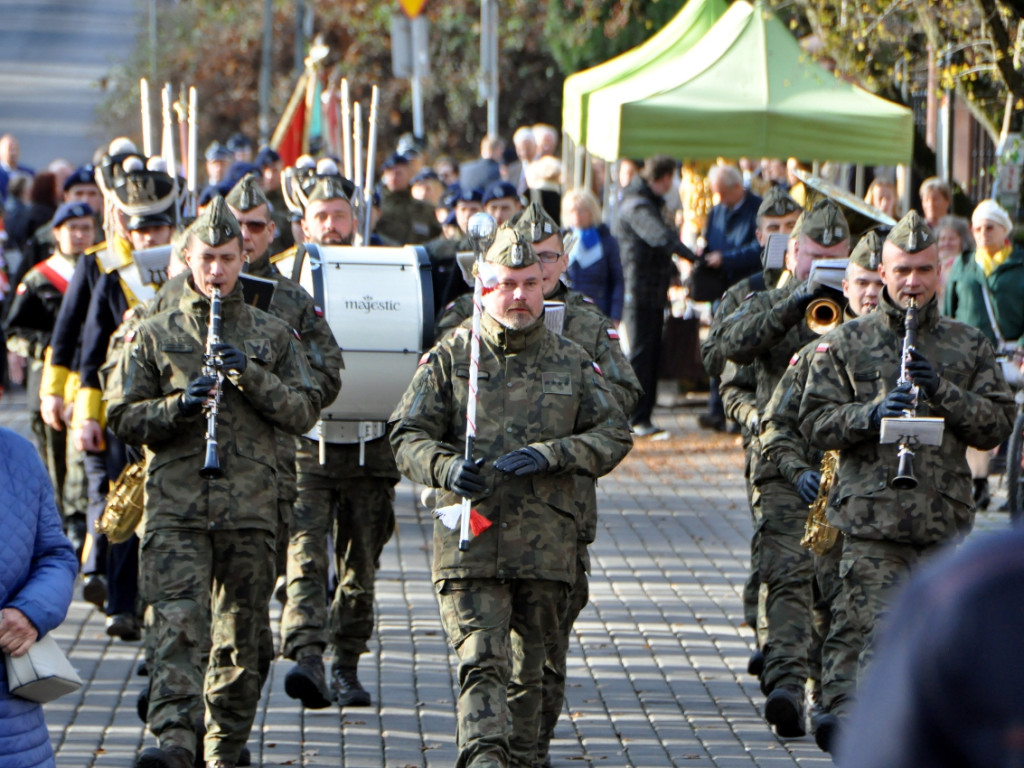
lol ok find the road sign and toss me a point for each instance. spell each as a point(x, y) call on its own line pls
point(412, 8)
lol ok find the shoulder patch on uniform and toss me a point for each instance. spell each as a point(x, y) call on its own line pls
point(613, 334)
point(297, 334)
point(588, 300)
point(448, 306)
point(130, 336)
point(424, 359)
point(597, 368)
point(22, 288)
point(823, 347)
point(793, 360)
point(318, 310)
point(752, 293)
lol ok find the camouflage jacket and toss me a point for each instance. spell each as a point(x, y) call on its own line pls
point(851, 372)
point(765, 332)
point(591, 329)
point(405, 220)
point(535, 389)
point(275, 390)
point(710, 349)
point(782, 441)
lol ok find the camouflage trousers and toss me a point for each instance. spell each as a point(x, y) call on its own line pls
point(64, 464)
point(359, 514)
point(870, 574)
point(206, 588)
point(553, 681)
point(787, 570)
point(502, 632)
point(754, 595)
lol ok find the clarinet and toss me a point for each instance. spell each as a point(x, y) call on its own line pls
point(905, 479)
point(212, 367)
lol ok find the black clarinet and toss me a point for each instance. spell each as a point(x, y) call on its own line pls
point(212, 367)
point(905, 479)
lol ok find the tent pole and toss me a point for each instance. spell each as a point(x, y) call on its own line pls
point(568, 153)
point(858, 181)
point(580, 171)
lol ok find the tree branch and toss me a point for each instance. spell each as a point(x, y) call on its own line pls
point(1003, 53)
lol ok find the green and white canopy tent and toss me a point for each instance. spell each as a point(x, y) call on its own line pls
point(745, 89)
point(674, 39)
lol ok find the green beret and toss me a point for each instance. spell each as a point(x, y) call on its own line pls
point(511, 249)
point(777, 202)
point(534, 223)
point(247, 194)
point(868, 252)
point(216, 225)
point(327, 188)
point(825, 224)
point(912, 234)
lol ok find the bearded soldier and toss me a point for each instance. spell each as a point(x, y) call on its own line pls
point(544, 413)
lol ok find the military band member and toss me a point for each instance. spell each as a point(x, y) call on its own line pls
point(404, 219)
point(30, 319)
point(852, 386)
point(765, 331)
point(207, 558)
point(351, 496)
point(778, 213)
point(544, 413)
point(785, 445)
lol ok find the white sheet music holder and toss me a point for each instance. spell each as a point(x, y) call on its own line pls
point(913, 430)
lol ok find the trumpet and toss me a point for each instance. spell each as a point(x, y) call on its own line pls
point(823, 315)
point(212, 367)
point(904, 479)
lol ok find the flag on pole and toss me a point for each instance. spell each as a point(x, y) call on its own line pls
point(289, 137)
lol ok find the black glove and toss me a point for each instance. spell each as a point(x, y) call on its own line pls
point(232, 358)
point(807, 485)
point(195, 395)
point(465, 479)
point(525, 461)
point(923, 373)
point(895, 403)
point(805, 293)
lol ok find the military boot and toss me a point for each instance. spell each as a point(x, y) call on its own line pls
point(307, 683)
point(346, 688)
point(784, 709)
point(171, 757)
point(827, 732)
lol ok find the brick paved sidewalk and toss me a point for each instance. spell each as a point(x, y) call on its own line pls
point(656, 670)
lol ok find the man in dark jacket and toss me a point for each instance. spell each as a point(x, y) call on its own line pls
point(647, 244)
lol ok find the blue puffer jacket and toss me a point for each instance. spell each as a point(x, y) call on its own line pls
point(37, 576)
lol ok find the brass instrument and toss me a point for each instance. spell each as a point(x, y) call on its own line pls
point(823, 315)
point(212, 367)
point(819, 536)
point(124, 506)
point(905, 480)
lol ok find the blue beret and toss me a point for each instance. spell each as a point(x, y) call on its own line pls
point(67, 211)
point(474, 195)
point(425, 176)
point(239, 141)
point(395, 159)
point(450, 220)
point(217, 151)
point(239, 171)
point(85, 174)
point(498, 190)
point(207, 194)
point(267, 156)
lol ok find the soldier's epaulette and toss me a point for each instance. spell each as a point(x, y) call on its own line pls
point(94, 249)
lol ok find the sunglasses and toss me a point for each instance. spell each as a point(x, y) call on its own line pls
point(254, 227)
point(549, 257)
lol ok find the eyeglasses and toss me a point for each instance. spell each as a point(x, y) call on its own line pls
point(254, 227)
point(549, 257)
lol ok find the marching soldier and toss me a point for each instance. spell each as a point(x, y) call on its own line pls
point(29, 326)
point(778, 213)
point(544, 413)
point(352, 496)
point(404, 219)
point(444, 270)
point(586, 325)
point(852, 386)
point(765, 331)
point(786, 446)
point(207, 557)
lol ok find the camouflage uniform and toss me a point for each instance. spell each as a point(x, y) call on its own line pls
point(586, 325)
point(756, 334)
point(506, 597)
point(198, 532)
point(887, 532)
point(406, 220)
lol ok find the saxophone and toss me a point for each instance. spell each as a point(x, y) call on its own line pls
point(819, 536)
point(124, 506)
